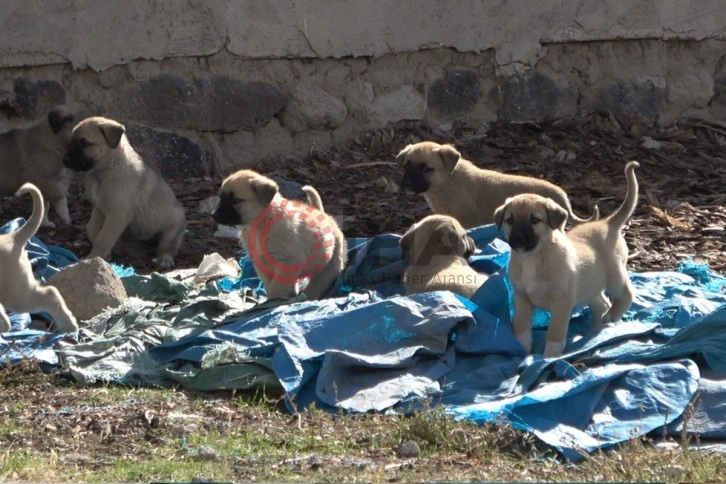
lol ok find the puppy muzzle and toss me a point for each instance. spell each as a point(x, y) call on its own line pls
point(76, 160)
point(522, 238)
point(226, 214)
point(414, 181)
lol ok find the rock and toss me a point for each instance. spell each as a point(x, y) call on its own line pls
point(457, 92)
point(404, 103)
point(33, 99)
point(172, 155)
point(639, 101)
point(409, 449)
point(89, 287)
point(534, 96)
point(311, 107)
point(219, 103)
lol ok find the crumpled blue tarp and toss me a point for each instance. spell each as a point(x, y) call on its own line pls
point(368, 348)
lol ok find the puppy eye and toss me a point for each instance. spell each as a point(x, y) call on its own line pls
point(236, 200)
point(534, 219)
point(427, 169)
point(85, 143)
point(510, 220)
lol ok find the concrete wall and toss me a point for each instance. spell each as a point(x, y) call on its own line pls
point(208, 86)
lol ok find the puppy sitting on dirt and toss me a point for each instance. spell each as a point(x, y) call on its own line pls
point(19, 290)
point(34, 154)
point(437, 249)
point(454, 186)
point(286, 240)
point(126, 194)
point(557, 271)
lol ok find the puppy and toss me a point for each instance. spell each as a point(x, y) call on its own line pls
point(286, 240)
point(19, 290)
point(34, 154)
point(557, 271)
point(454, 186)
point(437, 249)
point(126, 194)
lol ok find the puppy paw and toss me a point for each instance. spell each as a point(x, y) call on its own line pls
point(554, 349)
point(525, 339)
point(164, 261)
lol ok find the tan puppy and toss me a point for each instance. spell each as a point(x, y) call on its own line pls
point(34, 154)
point(454, 186)
point(437, 249)
point(19, 290)
point(126, 194)
point(557, 271)
point(286, 240)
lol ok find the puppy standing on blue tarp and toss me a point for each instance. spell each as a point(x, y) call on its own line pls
point(19, 290)
point(557, 271)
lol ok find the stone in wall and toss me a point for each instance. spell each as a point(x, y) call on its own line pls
point(172, 155)
point(717, 106)
point(219, 103)
point(403, 103)
point(638, 101)
point(457, 92)
point(311, 107)
point(32, 99)
point(535, 96)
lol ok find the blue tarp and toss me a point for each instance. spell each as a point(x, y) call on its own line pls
point(368, 348)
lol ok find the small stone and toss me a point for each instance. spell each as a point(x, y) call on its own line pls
point(409, 449)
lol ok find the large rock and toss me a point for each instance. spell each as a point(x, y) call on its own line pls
point(89, 287)
point(403, 103)
point(218, 103)
point(172, 155)
point(457, 92)
point(637, 101)
point(535, 96)
point(32, 99)
point(311, 107)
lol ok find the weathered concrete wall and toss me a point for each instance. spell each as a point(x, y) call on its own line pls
point(206, 86)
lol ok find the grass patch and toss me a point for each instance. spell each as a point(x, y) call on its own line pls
point(53, 431)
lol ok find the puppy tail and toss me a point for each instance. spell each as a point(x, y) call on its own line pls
point(579, 220)
point(621, 216)
point(30, 227)
point(313, 197)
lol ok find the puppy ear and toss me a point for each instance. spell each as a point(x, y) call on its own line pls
point(469, 246)
point(450, 156)
point(58, 117)
point(556, 215)
point(405, 244)
point(499, 215)
point(112, 132)
point(265, 189)
point(402, 155)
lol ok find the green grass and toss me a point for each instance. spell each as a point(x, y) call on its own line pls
point(53, 431)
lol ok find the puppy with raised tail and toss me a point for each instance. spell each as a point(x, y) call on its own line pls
point(288, 241)
point(19, 290)
point(34, 154)
point(437, 249)
point(557, 271)
point(127, 195)
point(455, 186)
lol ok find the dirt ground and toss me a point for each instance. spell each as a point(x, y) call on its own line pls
point(682, 176)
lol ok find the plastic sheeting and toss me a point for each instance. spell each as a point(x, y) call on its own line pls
point(368, 348)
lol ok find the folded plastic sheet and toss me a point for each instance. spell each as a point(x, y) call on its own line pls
point(367, 348)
